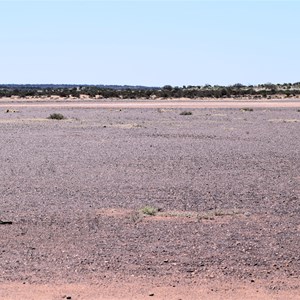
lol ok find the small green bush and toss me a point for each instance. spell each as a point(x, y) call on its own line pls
point(56, 116)
point(149, 210)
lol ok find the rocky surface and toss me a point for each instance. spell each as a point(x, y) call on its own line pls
point(226, 183)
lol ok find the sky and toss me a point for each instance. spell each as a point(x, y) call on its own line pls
point(152, 43)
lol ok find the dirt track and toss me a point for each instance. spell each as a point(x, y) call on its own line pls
point(226, 182)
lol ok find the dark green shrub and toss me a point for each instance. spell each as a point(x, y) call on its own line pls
point(56, 116)
point(186, 113)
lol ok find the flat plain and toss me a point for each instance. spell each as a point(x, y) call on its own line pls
point(224, 182)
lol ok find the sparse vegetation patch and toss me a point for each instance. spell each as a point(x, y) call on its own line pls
point(217, 213)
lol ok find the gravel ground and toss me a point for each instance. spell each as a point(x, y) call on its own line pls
point(226, 183)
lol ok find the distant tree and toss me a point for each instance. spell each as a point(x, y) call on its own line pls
point(270, 86)
point(238, 85)
point(167, 87)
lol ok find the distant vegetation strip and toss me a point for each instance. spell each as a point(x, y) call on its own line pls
point(267, 90)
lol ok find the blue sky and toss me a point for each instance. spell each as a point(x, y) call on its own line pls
point(149, 43)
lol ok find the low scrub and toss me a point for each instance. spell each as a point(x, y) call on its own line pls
point(56, 116)
point(149, 210)
point(186, 113)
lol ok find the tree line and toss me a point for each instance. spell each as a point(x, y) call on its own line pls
point(137, 92)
